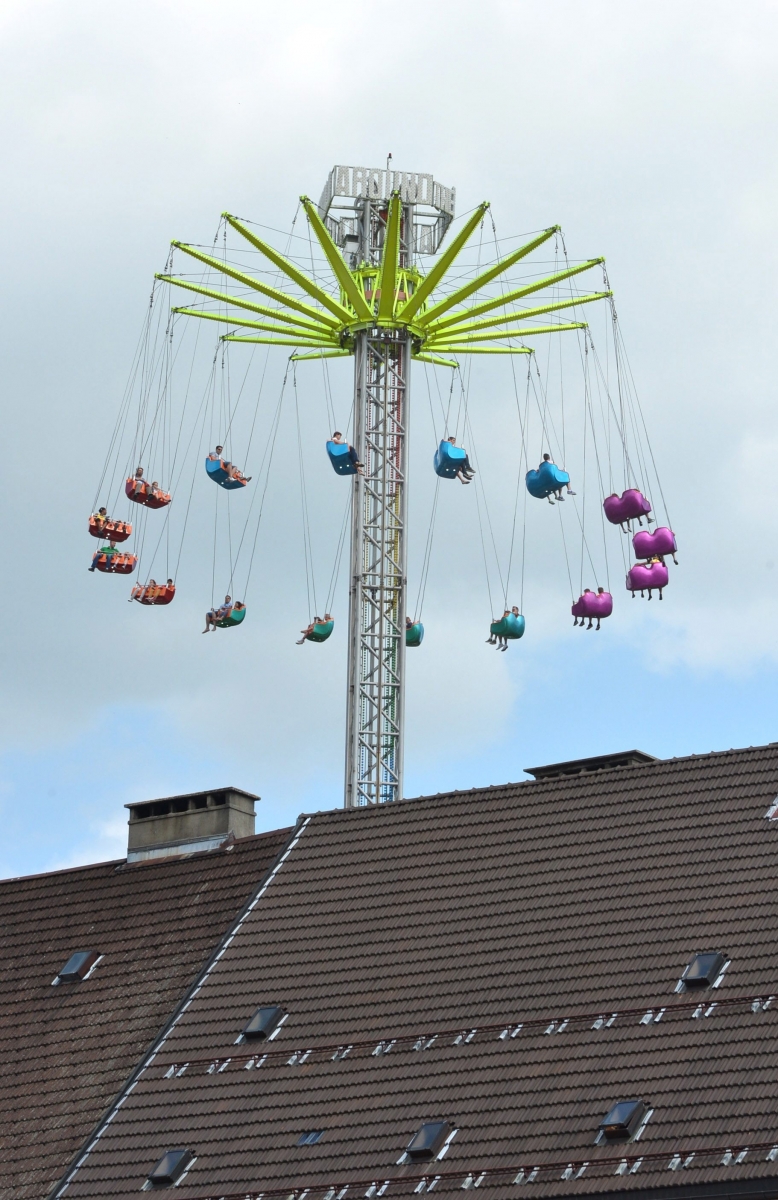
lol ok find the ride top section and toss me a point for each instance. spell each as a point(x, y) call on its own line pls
point(348, 187)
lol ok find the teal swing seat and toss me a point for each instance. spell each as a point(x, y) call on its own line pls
point(321, 631)
point(414, 634)
point(510, 627)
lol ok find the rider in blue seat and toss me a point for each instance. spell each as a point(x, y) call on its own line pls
point(230, 468)
point(337, 438)
point(466, 472)
point(558, 493)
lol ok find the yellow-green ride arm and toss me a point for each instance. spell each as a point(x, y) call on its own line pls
point(457, 335)
point(466, 348)
point(523, 313)
point(517, 294)
point(431, 281)
point(263, 341)
point(322, 354)
point(291, 271)
point(238, 302)
point(435, 360)
point(242, 321)
point(390, 261)
point(467, 289)
point(258, 286)
point(341, 272)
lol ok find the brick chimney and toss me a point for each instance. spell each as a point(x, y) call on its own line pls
point(188, 824)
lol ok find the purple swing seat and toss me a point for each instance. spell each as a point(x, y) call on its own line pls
point(647, 576)
point(593, 604)
point(661, 541)
point(626, 507)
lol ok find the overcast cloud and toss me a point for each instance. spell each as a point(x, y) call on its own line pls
point(646, 131)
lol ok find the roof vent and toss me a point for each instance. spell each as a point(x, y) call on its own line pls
point(170, 1168)
point(703, 970)
point(78, 966)
point(265, 1022)
point(189, 824)
point(622, 1121)
point(426, 1143)
point(585, 766)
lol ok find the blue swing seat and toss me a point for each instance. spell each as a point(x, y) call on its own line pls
point(510, 627)
point(217, 473)
point(547, 479)
point(448, 460)
point(340, 458)
point(414, 634)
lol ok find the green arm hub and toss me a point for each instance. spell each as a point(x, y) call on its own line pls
point(384, 294)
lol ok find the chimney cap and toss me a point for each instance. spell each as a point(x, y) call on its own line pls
point(583, 766)
point(191, 795)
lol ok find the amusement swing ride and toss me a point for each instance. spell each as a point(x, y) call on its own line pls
point(369, 299)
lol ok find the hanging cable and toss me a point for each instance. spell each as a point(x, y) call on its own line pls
point(310, 582)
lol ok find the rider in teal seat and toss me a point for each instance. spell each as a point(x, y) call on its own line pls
point(510, 627)
point(414, 632)
point(548, 481)
point(318, 630)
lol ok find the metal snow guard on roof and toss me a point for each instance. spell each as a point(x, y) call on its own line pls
point(583, 766)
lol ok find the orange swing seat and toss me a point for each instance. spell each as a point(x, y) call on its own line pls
point(154, 593)
point(141, 492)
point(111, 531)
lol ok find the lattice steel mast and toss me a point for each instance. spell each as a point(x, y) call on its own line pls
point(372, 225)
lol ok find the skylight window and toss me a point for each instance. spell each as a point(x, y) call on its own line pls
point(703, 970)
point(170, 1168)
point(622, 1121)
point(78, 966)
point(310, 1138)
point(426, 1143)
point(265, 1022)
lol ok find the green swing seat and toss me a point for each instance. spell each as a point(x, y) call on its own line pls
point(321, 631)
point(414, 634)
point(235, 617)
point(510, 627)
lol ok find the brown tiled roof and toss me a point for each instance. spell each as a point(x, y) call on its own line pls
point(66, 1050)
point(473, 917)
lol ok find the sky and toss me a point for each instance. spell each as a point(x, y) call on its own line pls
point(646, 131)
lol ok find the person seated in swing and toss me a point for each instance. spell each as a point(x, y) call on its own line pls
point(109, 551)
point(466, 472)
point(558, 491)
point(141, 485)
point(492, 638)
point(218, 614)
point(337, 438)
point(499, 639)
point(308, 630)
point(101, 517)
point(230, 468)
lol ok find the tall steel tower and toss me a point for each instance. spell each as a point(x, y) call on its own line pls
point(356, 206)
point(374, 227)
